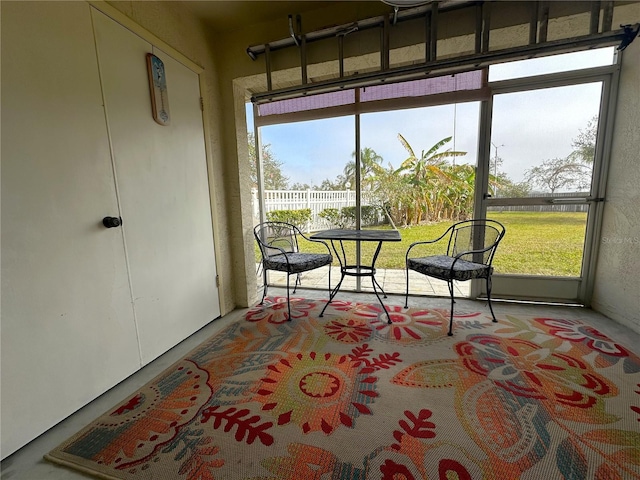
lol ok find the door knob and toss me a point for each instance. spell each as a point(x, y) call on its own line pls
point(111, 222)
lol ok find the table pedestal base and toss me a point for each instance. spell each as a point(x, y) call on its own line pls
point(359, 271)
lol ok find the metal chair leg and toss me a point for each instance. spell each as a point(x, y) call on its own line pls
point(264, 284)
point(295, 286)
point(288, 299)
point(489, 298)
point(450, 284)
point(406, 297)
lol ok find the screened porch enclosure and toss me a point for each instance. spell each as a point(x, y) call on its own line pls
point(343, 186)
point(524, 149)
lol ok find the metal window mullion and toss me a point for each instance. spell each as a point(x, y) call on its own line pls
point(482, 173)
point(594, 219)
point(358, 163)
point(575, 77)
point(545, 201)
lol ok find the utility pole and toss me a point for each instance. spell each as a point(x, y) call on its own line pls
point(495, 167)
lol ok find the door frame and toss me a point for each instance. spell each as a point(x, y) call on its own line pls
point(550, 288)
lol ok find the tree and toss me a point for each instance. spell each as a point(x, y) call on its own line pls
point(392, 194)
point(585, 143)
point(430, 175)
point(272, 174)
point(508, 188)
point(370, 165)
point(457, 196)
point(338, 184)
point(300, 186)
point(559, 173)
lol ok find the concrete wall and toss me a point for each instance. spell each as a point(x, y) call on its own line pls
point(617, 287)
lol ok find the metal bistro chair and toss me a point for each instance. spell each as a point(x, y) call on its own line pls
point(278, 242)
point(462, 261)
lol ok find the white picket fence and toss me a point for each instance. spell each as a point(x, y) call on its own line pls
point(315, 200)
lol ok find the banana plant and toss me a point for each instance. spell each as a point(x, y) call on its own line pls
point(430, 174)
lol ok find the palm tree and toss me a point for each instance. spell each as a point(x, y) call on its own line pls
point(370, 166)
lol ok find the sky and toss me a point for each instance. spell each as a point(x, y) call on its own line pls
point(527, 127)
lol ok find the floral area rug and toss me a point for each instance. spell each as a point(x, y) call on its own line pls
point(347, 396)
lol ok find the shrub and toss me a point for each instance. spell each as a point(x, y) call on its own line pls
point(332, 215)
point(346, 216)
point(296, 217)
point(369, 215)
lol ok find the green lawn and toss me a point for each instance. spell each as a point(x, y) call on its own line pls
point(547, 243)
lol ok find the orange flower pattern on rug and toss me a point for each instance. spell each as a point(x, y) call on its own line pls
point(317, 392)
point(348, 396)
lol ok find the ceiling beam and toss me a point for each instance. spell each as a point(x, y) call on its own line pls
point(621, 38)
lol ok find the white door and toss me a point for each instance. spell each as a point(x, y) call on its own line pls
point(68, 332)
point(162, 182)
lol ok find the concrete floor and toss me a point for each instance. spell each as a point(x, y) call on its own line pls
point(28, 464)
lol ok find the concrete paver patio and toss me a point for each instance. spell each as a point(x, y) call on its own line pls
point(392, 281)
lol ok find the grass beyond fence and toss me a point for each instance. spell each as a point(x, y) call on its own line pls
point(535, 243)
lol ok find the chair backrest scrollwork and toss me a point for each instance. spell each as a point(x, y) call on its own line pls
point(479, 235)
point(275, 237)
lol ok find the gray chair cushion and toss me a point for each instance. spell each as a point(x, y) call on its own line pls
point(439, 266)
point(298, 262)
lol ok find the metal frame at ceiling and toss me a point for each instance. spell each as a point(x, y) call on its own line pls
point(600, 35)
